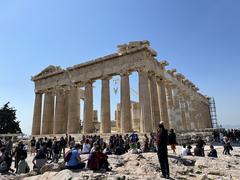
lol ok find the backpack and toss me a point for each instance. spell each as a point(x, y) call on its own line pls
point(68, 156)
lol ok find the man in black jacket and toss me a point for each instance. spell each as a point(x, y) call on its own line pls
point(162, 141)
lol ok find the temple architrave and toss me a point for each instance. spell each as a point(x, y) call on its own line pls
point(164, 95)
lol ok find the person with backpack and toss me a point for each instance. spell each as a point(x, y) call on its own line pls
point(39, 160)
point(56, 151)
point(98, 160)
point(162, 141)
point(73, 159)
point(5, 161)
point(23, 166)
point(19, 151)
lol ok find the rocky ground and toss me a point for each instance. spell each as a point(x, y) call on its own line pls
point(146, 166)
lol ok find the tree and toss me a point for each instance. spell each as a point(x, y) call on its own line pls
point(8, 120)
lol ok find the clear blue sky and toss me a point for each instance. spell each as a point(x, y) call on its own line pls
point(199, 38)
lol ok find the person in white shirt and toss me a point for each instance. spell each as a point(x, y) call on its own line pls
point(86, 147)
point(184, 150)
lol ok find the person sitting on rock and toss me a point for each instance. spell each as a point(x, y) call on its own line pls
point(86, 147)
point(107, 150)
point(75, 159)
point(184, 150)
point(98, 160)
point(198, 151)
point(5, 161)
point(189, 153)
point(39, 160)
point(201, 143)
point(23, 166)
point(213, 152)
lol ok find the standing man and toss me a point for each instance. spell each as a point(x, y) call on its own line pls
point(33, 145)
point(162, 141)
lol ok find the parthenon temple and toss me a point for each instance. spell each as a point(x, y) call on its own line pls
point(164, 95)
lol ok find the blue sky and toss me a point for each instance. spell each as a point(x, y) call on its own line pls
point(199, 38)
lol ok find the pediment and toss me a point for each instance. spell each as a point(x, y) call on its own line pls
point(48, 70)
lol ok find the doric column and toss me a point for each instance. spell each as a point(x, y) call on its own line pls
point(105, 106)
point(73, 124)
point(88, 108)
point(171, 112)
point(208, 115)
point(48, 113)
point(118, 117)
point(187, 114)
point(126, 123)
point(59, 121)
point(177, 110)
point(183, 113)
point(163, 101)
point(144, 100)
point(66, 97)
point(155, 111)
point(36, 125)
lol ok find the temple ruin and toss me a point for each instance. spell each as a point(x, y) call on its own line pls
point(164, 95)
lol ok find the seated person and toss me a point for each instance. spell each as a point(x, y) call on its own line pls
point(39, 160)
point(198, 151)
point(184, 150)
point(213, 152)
point(107, 151)
point(23, 166)
point(98, 160)
point(75, 159)
point(189, 153)
point(86, 147)
point(5, 161)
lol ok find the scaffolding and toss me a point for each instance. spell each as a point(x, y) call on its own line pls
point(213, 112)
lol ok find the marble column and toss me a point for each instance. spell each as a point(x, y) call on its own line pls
point(73, 125)
point(187, 114)
point(88, 108)
point(118, 117)
point(163, 101)
point(59, 121)
point(182, 107)
point(66, 97)
point(177, 110)
point(37, 112)
point(105, 107)
point(126, 122)
point(208, 114)
point(48, 113)
point(144, 100)
point(155, 111)
point(169, 98)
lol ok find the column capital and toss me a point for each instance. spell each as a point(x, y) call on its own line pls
point(151, 73)
point(106, 77)
point(172, 71)
point(89, 81)
point(163, 63)
point(160, 78)
point(125, 73)
point(38, 91)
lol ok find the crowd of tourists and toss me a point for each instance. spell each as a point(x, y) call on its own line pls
point(50, 150)
point(232, 134)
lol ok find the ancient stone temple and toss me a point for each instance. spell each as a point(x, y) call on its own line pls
point(164, 95)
